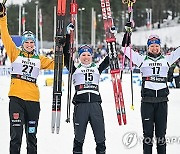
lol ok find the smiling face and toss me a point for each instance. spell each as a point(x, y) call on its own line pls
point(154, 49)
point(154, 44)
point(29, 45)
point(86, 58)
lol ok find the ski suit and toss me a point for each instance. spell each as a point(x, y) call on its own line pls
point(87, 104)
point(154, 95)
point(24, 106)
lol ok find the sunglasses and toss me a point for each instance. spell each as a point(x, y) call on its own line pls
point(153, 37)
point(27, 33)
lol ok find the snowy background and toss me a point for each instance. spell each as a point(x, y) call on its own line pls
point(117, 137)
point(168, 33)
point(63, 142)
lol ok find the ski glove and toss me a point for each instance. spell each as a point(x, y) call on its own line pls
point(113, 30)
point(2, 10)
point(128, 27)
point(69, 28)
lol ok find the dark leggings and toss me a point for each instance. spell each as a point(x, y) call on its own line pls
point(92, 113)
point(23, 113)
point(154, 115)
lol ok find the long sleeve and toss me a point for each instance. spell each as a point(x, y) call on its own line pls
point(46, 63)
point(67, 54)
point(136, 57)
point(104, 64)
point(66, 51)
point(11, 49)
point(175, 55)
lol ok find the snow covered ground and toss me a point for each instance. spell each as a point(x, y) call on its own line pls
point(168, 34)
point(62, 143)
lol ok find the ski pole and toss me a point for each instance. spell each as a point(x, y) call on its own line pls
point(73, 12)
point(130, 19)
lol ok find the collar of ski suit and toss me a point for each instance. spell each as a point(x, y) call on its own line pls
point(24, 53)
point(86, 66)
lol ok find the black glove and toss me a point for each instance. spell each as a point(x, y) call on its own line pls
point(2, 10)
point(126, 39)
point(113, 30)
point(62, 41)
point(128, 27)
point(69, 28)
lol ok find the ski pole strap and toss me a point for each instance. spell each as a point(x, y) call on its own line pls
point(22, 77)
point(128, 1)
point(130, 8)
point(130, 4)
point(4, 1)
point(155, 79)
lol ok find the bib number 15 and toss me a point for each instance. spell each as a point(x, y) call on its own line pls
point(88, 76)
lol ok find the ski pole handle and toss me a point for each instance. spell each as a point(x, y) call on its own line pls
point(2, 10)
point(128, 1)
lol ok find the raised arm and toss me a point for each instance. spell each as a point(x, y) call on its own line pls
point(174, 55)
point(127, 50)
point(104, 64)
point(67, 54)
point(9, 45)
point(47, 63)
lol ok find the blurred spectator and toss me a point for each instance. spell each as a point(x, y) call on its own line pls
point(103, 51)
point(50, 54)
point(2, 48)
point(97, 56)
point(174, 73)
point(1, 59)
point(4, 59)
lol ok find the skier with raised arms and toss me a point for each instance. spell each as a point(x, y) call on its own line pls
point(154, 68)
point(87, 99)
point(24, 106)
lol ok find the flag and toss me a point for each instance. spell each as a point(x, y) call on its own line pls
point(94, 18)
point(40, 18)
point(23, 16)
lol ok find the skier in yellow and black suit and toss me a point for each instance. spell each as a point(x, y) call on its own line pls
point(24, 106)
